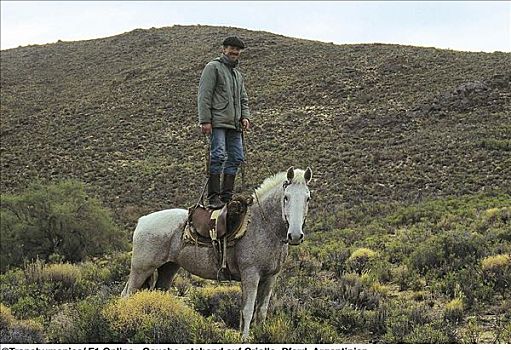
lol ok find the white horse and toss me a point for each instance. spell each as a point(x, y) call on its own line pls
point(276, 221)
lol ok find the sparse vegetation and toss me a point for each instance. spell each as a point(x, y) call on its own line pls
point(409, 230)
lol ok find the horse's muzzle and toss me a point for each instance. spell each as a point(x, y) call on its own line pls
point(295, 239)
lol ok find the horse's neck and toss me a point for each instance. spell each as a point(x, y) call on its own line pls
point(270, 209)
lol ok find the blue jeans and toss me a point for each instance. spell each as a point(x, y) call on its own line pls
point(226, 151)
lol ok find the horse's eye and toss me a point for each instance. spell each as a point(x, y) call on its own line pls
point(308, 199)
point(286, 198)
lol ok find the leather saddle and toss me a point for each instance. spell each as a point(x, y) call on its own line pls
point(206, 221)
point(216, 224)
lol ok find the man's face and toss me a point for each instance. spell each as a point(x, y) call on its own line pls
point(232, 52)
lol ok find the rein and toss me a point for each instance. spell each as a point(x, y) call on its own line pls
point(200, 201)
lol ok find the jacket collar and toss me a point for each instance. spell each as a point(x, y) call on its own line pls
point(228, 62)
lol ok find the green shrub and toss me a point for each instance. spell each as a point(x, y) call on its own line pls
point(497, 145)
point(496, 215)
point(34, 304)
point(222, 302)
point(276, 330)
point(448, 251)
point(471, 334)
point(55, 220)
point(402, 317)
point(505, 334)
point(13, 331)
point(428, 255)
point(360, 259)
point(310, 330)
point(375, 320)
point(62, 280)
point(347, 320)
point(496, 262)
point(497, 272)
point(40, 288)
point(351, 290)
point(82, 322)
point(157, 317)
point(406, 278)
point(333, 255)
point(397, 328)
point(13, 286)
point(426, 334)
point(299, 329)
point(6, 318)
point(454, 310)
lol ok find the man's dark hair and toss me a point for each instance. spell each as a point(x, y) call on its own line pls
point(234, 41)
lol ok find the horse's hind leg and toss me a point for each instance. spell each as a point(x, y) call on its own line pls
point(166, 274)
point(137, 280)
point(149, 282)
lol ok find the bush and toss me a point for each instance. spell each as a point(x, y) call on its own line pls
point(454, 310)
point(375, 320)
point(157, 317)
point(309, 330)
point(276, 330)
point(472, 332)
point(13, 331)
point(359, 259)
point(428, 255)
point(300, 329)
point(347, 320)
point(332, 255)
point(448, 252)
point(426, 334)
point(497, 272)
point(82, 322)
point(223, 302)
point(351, 290)
point(496, 263)
point(495, 217)
point(6, 318)
point(397, 328)
point(40, 288)
point(406, 278)
point(55, 220)
point(62, 280)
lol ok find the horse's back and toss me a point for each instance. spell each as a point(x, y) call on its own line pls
point(160, 223)
point(153, 237)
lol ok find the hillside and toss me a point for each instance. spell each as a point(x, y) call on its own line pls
point(375, 122)
point(408, 238)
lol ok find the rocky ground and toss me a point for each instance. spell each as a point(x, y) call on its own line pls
point(375, 122)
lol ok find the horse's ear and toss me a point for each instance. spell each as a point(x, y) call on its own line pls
point(308, 175)
point(290, 174)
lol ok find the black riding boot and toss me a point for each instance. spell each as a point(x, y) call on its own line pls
point(214, 201)
point(228, 187)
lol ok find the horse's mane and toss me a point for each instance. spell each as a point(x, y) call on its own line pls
point(277, 180)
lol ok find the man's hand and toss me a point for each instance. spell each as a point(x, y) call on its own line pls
point(206, 128)
point(246, 123)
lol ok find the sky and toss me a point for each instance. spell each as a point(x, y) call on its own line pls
point(456, 25)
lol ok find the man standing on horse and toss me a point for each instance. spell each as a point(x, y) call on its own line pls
point(223, 114)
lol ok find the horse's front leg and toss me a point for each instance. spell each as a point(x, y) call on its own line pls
point(249, 284)
point(263, 298)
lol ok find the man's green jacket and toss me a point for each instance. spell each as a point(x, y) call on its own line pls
point(222, 99)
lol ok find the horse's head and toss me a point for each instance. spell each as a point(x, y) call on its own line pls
point(295, 204)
